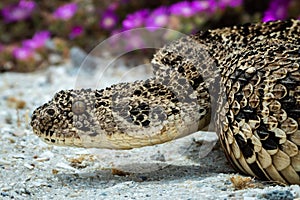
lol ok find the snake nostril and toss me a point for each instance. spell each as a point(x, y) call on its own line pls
point(50, 111)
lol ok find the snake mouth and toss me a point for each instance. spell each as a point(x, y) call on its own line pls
point(44, 128)
point(59, 137)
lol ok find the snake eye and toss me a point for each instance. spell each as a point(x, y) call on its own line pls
point(50, 111)
point(78, 107)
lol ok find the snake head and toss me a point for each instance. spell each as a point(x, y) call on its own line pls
point(64, 119)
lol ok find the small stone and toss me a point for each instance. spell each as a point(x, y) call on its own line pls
point(19, 156)
point(119, 172)
point(44, 156)
point(55, 171)
point(29, 166)
point(103, 194)
point(65, 166)
point(42, 159)
point(74, 194)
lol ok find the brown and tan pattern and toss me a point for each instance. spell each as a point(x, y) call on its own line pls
point(244, 81)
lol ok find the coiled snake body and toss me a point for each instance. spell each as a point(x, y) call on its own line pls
point(243, 80)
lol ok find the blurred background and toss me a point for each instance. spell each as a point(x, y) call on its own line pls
point(36, 34)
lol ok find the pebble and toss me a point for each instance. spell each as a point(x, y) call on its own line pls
point(29, 166)
point(42, 159)
point(19, 156)
point(45, 156)
point(65, 166)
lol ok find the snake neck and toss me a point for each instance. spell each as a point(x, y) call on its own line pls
point(203, 59)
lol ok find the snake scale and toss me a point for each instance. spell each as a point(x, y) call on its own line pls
point(243, 81)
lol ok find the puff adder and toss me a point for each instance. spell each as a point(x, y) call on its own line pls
point(243, 81)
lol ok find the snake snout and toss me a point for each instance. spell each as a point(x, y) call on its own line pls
point(43, 119)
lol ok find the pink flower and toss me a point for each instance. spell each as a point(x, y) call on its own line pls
point(183, 8)
point(158, 18)
point(23, 53)
point(76, 31)
point(136, 19)
point(277, 10)
point(109, 20)
point(65, 12)
point(17, 12)
point(229, 3)
point(38, 40)
point(204, 5)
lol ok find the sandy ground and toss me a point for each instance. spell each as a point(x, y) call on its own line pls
point(31, 169)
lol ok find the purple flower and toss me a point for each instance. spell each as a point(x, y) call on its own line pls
point(204, 5)
point(76, 31)
point(38, 40)
point(66, 11)
point(42, 35)
point(199, 6)
point(158, 18)
point(277, 10)
point(19, 11)
point(235, 3)
point(23, 53)
point(229, 3)
point(183, 8)
point(136, 19)
point(109, 20)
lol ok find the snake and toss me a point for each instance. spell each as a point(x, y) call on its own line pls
point(241, 81)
